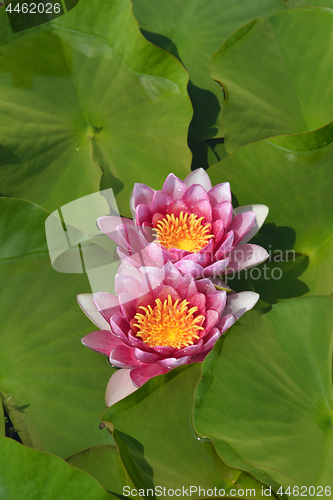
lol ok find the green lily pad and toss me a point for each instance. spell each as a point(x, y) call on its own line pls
point(86, 95)
point(277, 77)
point(104, 464)
point(27, 474)
point(192, 30)
point(265, 397)
point(53, 385)
point(153, 431)
point(293, 176)
point(203, 155)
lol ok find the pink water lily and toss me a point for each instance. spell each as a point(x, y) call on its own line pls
point(159, 320)
point(191, 224)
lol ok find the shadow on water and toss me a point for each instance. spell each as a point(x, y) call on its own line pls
point(206, 106)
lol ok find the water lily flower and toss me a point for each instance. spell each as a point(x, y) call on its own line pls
point(159, 320)
point(191, 224)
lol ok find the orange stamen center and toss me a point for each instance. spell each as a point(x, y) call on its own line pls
point(168, 324)
point(185, 232)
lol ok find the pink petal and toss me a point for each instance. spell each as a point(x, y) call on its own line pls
point(199, 258)
point(189, 267)
point(109, 225)
point(106, 304)
point(208, 250)
point(241, 225)
point(187, 287)
point(211, 319)
point(212, 340)
point(190, 350)
point(86, 302)
point(127, 305)
point(172, 274)
point(239, 303)
point(226, 322)
point(246, 256)
point(130, 239)
point(157, 217)
point(102, 341)
point(127, 284)
point(119, 327)
point(120, 385)
point(122, 357)
point(216, 269)
point(137, 342)
point(261, 214)
point(160, 203)
point(198, 300)
point(174, 187)
point(176, 207)
point(133, 238)
point(199, 176)
point(169, 290)
point(218, 231)
point(220, 193)
point(140, 375)
point(144, 356)
point(155, 255)
point(151, 281)
point(177, 254)
point(144, 301)
point(194, 194)
point(142, 194)
point(203, 208)
point(205, 286)
point(223, 211)
point(137, 260)
point(164, 352)
point(216, 301)
point(128, 269)
point(142, 214)
point(226, 246)
point(170, 363)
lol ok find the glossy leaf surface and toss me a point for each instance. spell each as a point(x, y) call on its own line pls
point(53, 385)
point(27, 474)
point(192, 30)
point(265, 398)
point(87, 95)
point(104, 464)
point(276, 73)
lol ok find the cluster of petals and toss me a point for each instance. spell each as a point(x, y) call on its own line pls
point(139, 290)
point(225, 231)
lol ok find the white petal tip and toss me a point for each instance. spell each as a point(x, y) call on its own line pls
point(120, 385)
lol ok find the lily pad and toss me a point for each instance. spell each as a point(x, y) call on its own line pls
point(53, 385)
point(86, 95)
point(276, 75)
point(27, 474)
point(104, 464)
point(293, 176)
point(265, 397)
point(153, 431)
point(192, 30)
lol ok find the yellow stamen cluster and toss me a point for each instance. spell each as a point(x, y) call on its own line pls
point(185, 232)
point(168, 324)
